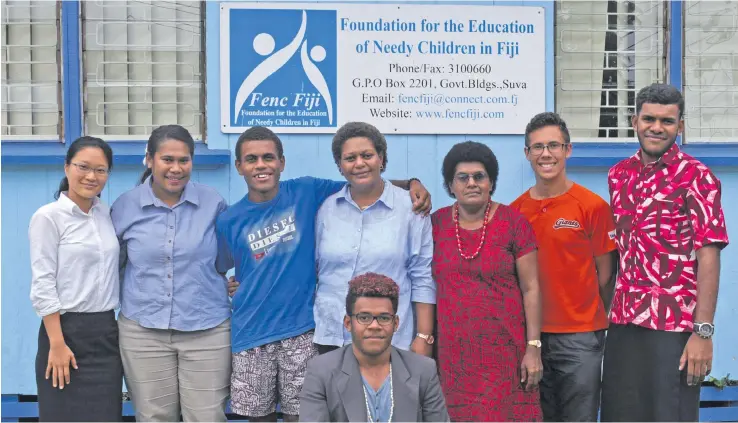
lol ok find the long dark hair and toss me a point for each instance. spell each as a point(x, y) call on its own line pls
point(79, 144)
point(161, 134)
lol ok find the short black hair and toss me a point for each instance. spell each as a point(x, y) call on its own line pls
point(543, 120)
point(359, 129)
point(372, 285)
point(258, 133)
point(663, 94)
point(469, 151)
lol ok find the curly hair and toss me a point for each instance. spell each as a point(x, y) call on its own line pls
point(372, 285)
point(663, 94)
point(363, 130)
point(469, 151)
point(543, 120)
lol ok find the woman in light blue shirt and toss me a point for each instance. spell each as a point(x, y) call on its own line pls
point(369, 226)
point(175, 313)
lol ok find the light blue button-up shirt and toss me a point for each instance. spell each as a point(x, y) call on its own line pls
point(173, 263)
point(386, 238)
point(379, 403)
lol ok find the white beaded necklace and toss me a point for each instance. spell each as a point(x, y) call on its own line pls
point(392, 401)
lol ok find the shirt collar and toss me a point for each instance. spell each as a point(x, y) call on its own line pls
point(149, 199)
point(386, 198)
point(665, 160)
point(71, 206)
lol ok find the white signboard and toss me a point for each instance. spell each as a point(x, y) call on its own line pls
point(411, 69)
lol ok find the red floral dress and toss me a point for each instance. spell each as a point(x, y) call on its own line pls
point(481, 321)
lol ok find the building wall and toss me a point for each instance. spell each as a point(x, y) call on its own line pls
point(25, 188)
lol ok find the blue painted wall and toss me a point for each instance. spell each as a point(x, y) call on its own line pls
point(25, 188)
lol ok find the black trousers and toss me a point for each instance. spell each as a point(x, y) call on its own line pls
point(322, 349)
point(641, 381)
point(95, 389)
point(570, 388)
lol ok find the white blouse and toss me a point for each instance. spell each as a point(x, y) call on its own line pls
point(74, 258)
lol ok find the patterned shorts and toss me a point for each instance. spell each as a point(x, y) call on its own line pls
point(271, 374)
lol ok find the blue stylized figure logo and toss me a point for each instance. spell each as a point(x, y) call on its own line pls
point(264, 44)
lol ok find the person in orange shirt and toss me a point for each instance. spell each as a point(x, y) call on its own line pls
point(576, 259)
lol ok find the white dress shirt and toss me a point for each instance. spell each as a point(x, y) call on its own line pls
point(74, 258)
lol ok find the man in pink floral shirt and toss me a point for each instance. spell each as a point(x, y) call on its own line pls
point(670, 230)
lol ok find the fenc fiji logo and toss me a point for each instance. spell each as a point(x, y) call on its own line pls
point(283, 67)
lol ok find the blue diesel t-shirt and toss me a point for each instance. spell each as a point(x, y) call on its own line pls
point(273, 247)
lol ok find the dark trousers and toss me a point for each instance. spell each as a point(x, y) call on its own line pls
point(95, 389)
point(570, 388)
point(322, 349)
point(641, 381)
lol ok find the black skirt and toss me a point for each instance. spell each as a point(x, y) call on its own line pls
point(95, 389)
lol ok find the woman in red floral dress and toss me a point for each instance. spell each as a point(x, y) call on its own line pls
point(489, 305)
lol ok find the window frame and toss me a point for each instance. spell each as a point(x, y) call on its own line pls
point(61, 130)
point(695, 140)
point(71, 53)
point(81, 89)
point(606, 154)
point(129, 152)
point(614, 141)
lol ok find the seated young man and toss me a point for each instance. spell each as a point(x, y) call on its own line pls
point(370, 380)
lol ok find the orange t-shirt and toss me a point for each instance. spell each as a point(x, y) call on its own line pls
point(572, 229)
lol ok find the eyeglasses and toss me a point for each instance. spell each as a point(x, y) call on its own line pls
point(464, 177)
point(366, 319)
point(100, 171)
point(553, 148)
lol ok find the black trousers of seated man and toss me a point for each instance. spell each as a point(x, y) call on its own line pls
point(572, 364)
point(324, 349)
point(641, 381)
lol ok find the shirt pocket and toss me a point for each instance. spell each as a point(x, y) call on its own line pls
point(668, 223)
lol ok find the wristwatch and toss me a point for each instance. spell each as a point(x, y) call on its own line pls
point(535, 343)
point(429, 339)
point(704, 330)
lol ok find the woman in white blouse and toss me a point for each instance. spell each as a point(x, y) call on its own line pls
point(75, 289)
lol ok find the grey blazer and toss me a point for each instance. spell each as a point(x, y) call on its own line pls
point(333, 390)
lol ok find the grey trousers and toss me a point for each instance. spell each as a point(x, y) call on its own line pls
point(570, 388)
point(169, 372)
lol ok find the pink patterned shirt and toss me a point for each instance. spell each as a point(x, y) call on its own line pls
point(664, 212)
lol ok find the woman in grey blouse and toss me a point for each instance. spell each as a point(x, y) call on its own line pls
point(175, 331)
point(74, 288)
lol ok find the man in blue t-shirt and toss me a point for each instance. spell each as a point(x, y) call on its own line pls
point(271, 235)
